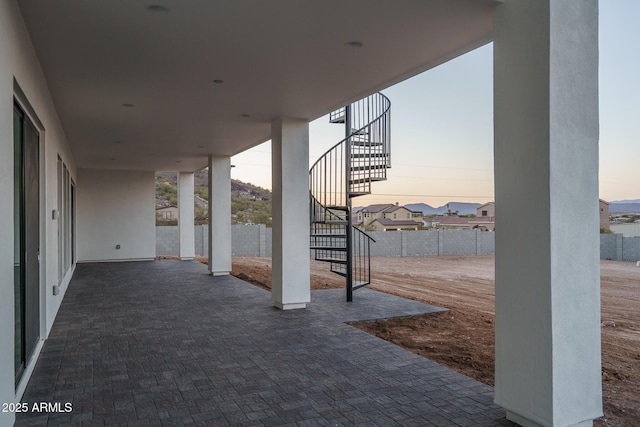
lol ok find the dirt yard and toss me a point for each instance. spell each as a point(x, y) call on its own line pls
point(463, 339)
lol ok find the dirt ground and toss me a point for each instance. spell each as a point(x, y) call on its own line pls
point(463, 339)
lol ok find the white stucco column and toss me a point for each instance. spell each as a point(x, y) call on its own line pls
point(290, 244)
point(186, 215)
point(219, 215)
point(546, 187)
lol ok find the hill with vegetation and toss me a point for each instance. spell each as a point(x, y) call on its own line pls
point(249, 203)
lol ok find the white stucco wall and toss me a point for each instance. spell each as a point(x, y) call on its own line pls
point(115, 208)
point(21, 77)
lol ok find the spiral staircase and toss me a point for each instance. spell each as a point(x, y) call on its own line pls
point(346, 171)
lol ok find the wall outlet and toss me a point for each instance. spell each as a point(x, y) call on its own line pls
point(117, 246)
point(56, 289)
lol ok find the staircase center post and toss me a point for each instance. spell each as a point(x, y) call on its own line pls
point(348, 233)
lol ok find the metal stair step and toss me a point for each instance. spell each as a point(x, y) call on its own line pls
point(369, 167)
point(366, 143)
point(331, 222)
point(329, 248)
point(359, 284)
point(365, 180)
point(369, 155)
point(337, 236)
point(338, 116)
point(336, 208)
point(333, 260)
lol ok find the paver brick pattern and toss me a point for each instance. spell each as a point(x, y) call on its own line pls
point(165, 344)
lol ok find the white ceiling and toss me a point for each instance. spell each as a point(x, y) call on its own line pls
point(276, 58)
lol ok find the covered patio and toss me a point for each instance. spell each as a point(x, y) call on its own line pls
point(98, 96)
point(165, 343)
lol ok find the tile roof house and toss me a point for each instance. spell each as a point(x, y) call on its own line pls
point(454, 222)
point(605, 223)
point(488, 209)
point(383, 224)
point(370, 213)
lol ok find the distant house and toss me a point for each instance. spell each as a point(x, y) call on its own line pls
point(397, 212)
point(604, 215)
point(485, 223)
point(450, 222)
point(370, 213)
point(454, 222)
point(167, 212)
point(384, 224)
point(486, 210)
point(199, 201)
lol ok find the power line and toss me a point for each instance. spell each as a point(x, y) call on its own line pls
point(442, 167)
point(440, 179)
point(430, 195)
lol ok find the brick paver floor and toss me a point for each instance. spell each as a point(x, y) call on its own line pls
point(163, 343)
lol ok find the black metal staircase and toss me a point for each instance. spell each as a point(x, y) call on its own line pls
point(342, 173)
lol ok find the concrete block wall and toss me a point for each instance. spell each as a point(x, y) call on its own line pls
point(167, 240)
point(249, 240)
point(255, 240)
point(609, 245)
point(631, 249)
point(458, 242)
point(268, 239)
point(202, 240)
point(486, 243)
point(387, 243)
point(246, 240)
point(432, 243)
point(619, 248)
point(426, 243)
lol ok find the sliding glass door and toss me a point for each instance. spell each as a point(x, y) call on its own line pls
point(26, 198)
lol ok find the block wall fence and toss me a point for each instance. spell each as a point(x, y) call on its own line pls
point(255, 240)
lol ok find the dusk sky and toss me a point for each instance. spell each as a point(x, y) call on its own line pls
point(442, 125)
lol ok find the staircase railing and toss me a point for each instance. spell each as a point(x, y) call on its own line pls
point(346, 171)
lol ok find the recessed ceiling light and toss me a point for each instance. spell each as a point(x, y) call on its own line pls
point(200, 146)
point(156, 8)
point(354, 43)
point(126, 104)
point(245, 115)
point(178, 161)
point(118, 142)
point(218, 81)
point(111, 158)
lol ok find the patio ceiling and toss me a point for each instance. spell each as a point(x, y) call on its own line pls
point(274, 58)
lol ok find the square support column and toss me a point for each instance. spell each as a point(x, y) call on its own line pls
point(548, 368)
point(186, 215)
point(291, 286)
point(219, 215)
